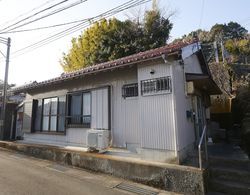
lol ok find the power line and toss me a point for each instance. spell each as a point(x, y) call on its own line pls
point(44, 16)
point(122, 7)
point(66, 32)
point(50, 14)
point(202, 12)
point(61, 2)
point(23, 14)
point(43, 27)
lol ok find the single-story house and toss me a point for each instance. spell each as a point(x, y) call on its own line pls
point(152, 103)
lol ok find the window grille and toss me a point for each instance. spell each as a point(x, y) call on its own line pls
point(130, 90)
point(157, 85)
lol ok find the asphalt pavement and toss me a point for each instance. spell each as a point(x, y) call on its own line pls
point(24, 175)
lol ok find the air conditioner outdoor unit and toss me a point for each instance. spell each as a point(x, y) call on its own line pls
point(98, 139)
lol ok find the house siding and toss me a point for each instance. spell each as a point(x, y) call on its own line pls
point(122, 110)
point(192, 65)
point(156, 111)
point(73, 137)
point(183, 103)
point(155, 121)
point(124, 130)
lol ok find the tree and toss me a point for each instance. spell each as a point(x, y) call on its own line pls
point(240, 49)
point(156, 29)
point(244, 47)
point(202, 35)
point(217, 31)
point(111, 39)
point(233, 30)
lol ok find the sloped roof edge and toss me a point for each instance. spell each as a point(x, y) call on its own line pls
point(121, 62)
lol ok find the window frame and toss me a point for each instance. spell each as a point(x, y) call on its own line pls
point(154, 87)
point(127, 86)
point(68, 117)
point(57, 115)
point(50, 115)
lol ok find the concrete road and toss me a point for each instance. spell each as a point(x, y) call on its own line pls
point(23, 175)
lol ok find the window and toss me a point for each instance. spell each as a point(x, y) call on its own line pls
point(80, 109)
point(50, 114)
point(154, 86)
point(130, 90)
point(61, 113)
point(38, 115)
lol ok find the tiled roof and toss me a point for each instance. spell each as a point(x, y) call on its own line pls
point(121, 62)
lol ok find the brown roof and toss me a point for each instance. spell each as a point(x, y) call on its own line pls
point(121, 62)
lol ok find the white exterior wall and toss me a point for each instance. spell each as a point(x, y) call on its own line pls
point(156, 111)
point(73, 137)
point(192, 65)
point(183, 103)
point(143, 121)
point(156, 124)
point(124, 117)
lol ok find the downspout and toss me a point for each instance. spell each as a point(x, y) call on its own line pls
point(111, 116)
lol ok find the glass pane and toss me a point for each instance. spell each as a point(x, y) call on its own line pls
point(75, 108)
point(53, 120)
point(46, 106)
point(45, 123)
point(86, 103)
point(61, 121)
point(54, 106)
point(38, 116)
point(62, 102)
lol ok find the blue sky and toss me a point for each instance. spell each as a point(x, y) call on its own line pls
point(43, 63)
point(189, 13)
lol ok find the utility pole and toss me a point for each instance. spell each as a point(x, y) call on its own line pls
point(216, 52)
point(154, 5)
point(222, 51)
point(5, 87)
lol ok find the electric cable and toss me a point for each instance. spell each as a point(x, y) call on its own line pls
point(44, 16)
point(84, 24)
point(26, 13)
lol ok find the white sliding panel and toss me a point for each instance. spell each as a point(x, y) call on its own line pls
point(100, 108)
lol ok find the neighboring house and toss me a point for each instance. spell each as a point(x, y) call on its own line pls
point(221, 104)
point(9, 132)
point(152, 103)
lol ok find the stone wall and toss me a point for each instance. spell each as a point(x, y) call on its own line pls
point(176, 178)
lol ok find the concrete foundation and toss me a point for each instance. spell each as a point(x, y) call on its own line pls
point(181, 179)
point(165, 156)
